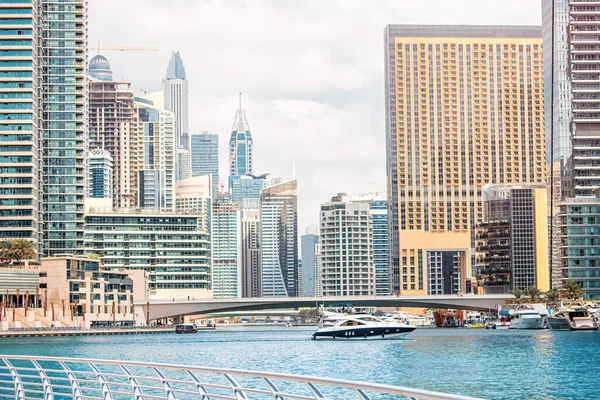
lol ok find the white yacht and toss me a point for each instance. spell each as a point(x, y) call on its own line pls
point(572, 319)
point(526, 318)
point(363, 327)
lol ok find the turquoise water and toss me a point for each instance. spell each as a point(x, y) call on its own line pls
point(495, 364)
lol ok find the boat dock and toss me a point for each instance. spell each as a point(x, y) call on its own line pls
point(90, 332)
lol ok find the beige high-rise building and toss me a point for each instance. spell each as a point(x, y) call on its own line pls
point(464, 108)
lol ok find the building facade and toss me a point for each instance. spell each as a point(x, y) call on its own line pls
point(194, 195)
point(226, 248)
point(155, 169)
point(172, 248)
point(183, 164)
point(240, 145)
point(204, 153)
point(464, 108)
point(175, 90)
point(512, 242)
point(112, 128)
point(279, 239)
point(250, 248)
point(247, 186)
point(100, 174)
point(309, 244)
point(580, 234)
point(99, 68)
point(347, 265)
point(380, 245)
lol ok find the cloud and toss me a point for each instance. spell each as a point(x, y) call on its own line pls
point(311, 73)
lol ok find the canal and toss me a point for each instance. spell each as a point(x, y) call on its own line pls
point(495, 364)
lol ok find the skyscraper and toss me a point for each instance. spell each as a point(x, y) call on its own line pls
point(155, 155)
point(464, 107)
point(112, 127)
point(279, 239)
point(380, 244)
point(175, 90)
point(194, 195)
point(100, 174)
point(250, 248)
point(99, 68)
point(205, 157)
point(309, 248)
point(226, 230)
point(247, 186)
point(240, 145)
point(183, 164)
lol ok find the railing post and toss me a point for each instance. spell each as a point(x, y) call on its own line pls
point(166, 385)
point(73, 380)
point(48, 394)
point(238, 391)
point(19, 389)
point(203, 392)
point(137, 392)
point(106, 394)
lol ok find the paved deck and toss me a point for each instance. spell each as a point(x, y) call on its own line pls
point(90, 332)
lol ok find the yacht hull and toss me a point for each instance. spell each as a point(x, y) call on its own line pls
point(564, 324)
point(368, 332)
point(527, 323)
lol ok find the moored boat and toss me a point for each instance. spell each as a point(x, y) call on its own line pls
point(526, 318)
point(363, 327)
point(572, 319)
point(186, 328)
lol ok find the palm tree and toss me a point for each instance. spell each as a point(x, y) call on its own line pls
point(533, 292)
point(571, 290)
point(21, 250)
point(517, 293)
point(5, 250)
point(553, 297)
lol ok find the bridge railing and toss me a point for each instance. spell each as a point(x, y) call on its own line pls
point(53, 378)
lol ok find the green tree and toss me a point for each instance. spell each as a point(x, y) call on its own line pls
point(5, 250)
point(571, 290)
point(533, 292)
point(553, 297)
point(518, 293)
point(21, 250)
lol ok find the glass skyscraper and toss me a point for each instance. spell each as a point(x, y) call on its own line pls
point(205, 157)
point(379, 244)
point(240, 145)
point(247, 186)
point(309, 248)
point(43, 129)
point(175, 91)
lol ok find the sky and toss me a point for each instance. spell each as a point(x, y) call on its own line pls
point(310, 73)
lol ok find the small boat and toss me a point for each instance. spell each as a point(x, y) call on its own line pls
point(186, 328)
point(526, 318)
point(572, 319)
point(363, 327)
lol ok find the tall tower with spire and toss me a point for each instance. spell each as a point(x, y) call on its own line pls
point(175, 90)
point(240, 145)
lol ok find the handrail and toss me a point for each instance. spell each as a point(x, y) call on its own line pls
point(48, 378)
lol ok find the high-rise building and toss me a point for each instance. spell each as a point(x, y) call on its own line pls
point(205, 157)
point(99, 68)
point(175, 90)
point(183, 164)
point(194, 195)
point(226, 243)
point(155, 155)
point(279, 239)
point(100, 174)
point(512, 242)
point(250, 248)
point(240, 145)
point(247, 186)
point(309, 244)
point(346, 248)
point(171, 247)
point(380, 244)
point(112, 126)
point(63, 55)
point(318, 272)
point(580, 229)
point(21, 141)
point(464, 107)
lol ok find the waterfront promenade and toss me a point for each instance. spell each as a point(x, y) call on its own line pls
point(70, 331)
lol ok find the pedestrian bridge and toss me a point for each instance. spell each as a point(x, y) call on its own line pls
point(171, 308)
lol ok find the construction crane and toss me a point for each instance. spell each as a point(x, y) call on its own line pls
point(122, 48)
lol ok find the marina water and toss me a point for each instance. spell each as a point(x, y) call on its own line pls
point(495, 364)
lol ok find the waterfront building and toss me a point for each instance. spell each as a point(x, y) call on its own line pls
point(20, 285)
point(112, 127)
point(318, 272)
point(195, 195)
point(250, 248)
point(346, 248)
point(97, 297)
point(464, 107)
point(380, 244)
point(155, 155)
point(226, 246)
point(171, 247)
point(512, 241)
point(99, 68)
point(183, 164)
point(240, 145)
point(309, 244)
point(175, 90)
point(279, 239)
point(205, 157)
point(247, 186)
point(580, 234)
point(100, 174)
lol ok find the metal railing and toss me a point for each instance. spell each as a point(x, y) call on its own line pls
point(53, 378)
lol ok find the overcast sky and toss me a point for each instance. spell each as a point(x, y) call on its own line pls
point(311, 74)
